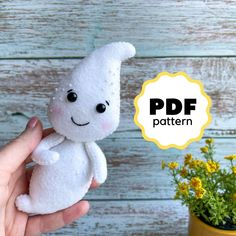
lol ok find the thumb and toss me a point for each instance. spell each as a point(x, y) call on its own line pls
point(15, 152)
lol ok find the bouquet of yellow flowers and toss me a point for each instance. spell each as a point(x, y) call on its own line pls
point(207, 189)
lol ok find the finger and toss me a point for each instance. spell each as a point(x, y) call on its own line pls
point(45, 223)
point(20, 187)
point(15, 152)
point(15, 176)
point(46, 132)
point(94, 184)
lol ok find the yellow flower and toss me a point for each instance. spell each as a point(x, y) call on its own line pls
point(234, 169)
point(196, 163)
point(204, 149)
point(196, 183)
point(183, 188)
point(209, 141)
point(163, 165)
point(199, 193)
point(188, 158)
point(192, 164)
point(231, 157)
point(173, 165)
point(212, 166)
point(184, 172)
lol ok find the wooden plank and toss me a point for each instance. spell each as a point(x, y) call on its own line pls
point(26, 85)
point(149, 218)
point(73, 28)
point(134, 168)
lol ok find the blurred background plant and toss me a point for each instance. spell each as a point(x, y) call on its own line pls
point(207, 189)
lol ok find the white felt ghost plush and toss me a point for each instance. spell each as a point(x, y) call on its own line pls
point(84, 108)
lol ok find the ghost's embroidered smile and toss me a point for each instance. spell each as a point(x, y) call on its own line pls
point(77, 123)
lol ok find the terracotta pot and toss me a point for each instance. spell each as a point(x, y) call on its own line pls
point(199, 228)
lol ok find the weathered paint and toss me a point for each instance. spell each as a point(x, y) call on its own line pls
point(73, 28)
point(146, 217)
point(26, 85)
point(137, 197)
point(134, 168)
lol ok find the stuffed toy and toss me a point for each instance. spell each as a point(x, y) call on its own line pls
point(84, 108)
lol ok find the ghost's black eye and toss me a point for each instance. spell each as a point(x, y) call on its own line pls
point(71, 96)
point(101, 108)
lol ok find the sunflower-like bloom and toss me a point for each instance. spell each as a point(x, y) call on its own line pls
point(163, 165)
point(196, 163)
point(204, 149)
point(209, 141)
point(187, 159)
point(212, 166)
point(183, 188)
point(231, 157)
point(199, 193)
point(183, 172)
point(196, 183)
point(173, 165)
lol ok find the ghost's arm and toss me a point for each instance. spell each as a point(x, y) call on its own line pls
point(98, 161)
point(42, 155)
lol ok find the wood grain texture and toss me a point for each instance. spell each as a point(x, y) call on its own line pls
point(137, 197)
point(149, 218)
point(26, 85)
point(73, 28)
point(134, 168)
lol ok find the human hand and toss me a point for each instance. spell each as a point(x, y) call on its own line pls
point(14, 180)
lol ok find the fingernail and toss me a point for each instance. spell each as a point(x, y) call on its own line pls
point(32, 123)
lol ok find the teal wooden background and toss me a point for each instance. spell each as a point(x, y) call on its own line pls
point(40, 41)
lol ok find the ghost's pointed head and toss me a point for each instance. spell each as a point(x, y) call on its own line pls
point(86, 106)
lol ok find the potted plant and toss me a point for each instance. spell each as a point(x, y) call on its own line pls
point(208, 190)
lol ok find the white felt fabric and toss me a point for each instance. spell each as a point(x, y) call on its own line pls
point(68, 159)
